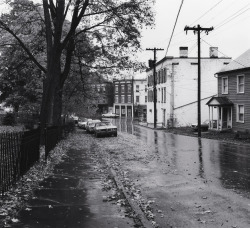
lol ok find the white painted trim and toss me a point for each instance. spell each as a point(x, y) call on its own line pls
point(240, 75)
point(237, 113)
point(222, 87)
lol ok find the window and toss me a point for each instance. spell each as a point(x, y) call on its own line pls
point(122, 99)
point(164, 95)
point(240, 113)
point(122, 88)
point(224, 85)
point(146, 98)
point(149, 96)
point(165, 75)
point(137, 88)
point(116, 99)
point(240, 83)
point(129, 88)
point(116, 88)
point(158, 95)
point(137, 99)
point(129, 98)
point(146, 88)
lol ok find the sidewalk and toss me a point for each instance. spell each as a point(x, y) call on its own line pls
point(74, 197)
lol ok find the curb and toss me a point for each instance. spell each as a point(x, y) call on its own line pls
point(157, 129)
point(145, 222)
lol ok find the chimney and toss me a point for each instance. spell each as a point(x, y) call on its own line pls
point(213, 52)
point(183, 52)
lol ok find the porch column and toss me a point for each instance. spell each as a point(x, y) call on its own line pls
point(218, 117)
point(209, 123)
point(221, 113)
point(132, 111)
point(120, 112)
point(126, 110)
point(212, 117)
point(231, 117)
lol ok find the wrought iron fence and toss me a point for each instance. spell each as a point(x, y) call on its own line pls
point(18, 152)
point(54, 134)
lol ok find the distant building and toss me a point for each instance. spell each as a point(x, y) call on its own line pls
point(123, 94)
point(176, 84)
point(140, 95)
point(104, 93)
point(231, 108)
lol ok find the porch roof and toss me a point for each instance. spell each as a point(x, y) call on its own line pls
point(219, 101)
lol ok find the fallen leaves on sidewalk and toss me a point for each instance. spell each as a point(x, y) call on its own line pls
point(15, 199)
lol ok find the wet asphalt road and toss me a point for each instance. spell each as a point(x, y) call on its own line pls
point(223, 164)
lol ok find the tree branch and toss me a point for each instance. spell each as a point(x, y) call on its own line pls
point(67, 61)
point(67, 8)
point(48, 29)
point(75, 20)
point(6, 28)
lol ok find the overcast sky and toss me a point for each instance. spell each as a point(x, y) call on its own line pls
point(230, 19)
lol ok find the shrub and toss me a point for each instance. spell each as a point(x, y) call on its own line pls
point(9, 119)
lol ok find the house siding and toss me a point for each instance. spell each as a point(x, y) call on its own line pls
point(237, 98)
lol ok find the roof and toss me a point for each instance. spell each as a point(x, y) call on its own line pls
point(243, 61)
point(219, 101)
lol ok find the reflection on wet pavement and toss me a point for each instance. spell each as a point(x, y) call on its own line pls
point(223, 164)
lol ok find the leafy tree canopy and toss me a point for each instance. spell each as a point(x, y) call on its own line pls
point(111, 29)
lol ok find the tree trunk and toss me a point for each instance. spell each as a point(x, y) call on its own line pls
point(57, 107)
point(48, 100)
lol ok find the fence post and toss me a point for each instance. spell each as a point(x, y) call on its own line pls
point(46, 141)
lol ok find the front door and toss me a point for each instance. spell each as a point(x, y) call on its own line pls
point(129, 112)
point(224, 118)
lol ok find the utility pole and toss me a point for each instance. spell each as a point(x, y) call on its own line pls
point(198, 29)
point(154, 73)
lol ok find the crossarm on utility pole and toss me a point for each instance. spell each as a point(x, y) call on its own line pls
point(198, 29)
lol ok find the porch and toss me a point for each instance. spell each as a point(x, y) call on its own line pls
point(220, 113)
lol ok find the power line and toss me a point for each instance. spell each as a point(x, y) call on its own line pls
point(207, 11)
point(174, 26)
point(219, 31)
point(223, 53)
point(233, 16)
point(223, 11)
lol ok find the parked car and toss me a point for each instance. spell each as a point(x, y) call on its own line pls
point(204, 126)
point(110, 115)
point(105, 129)
point(90, 125)
point(82, 123)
